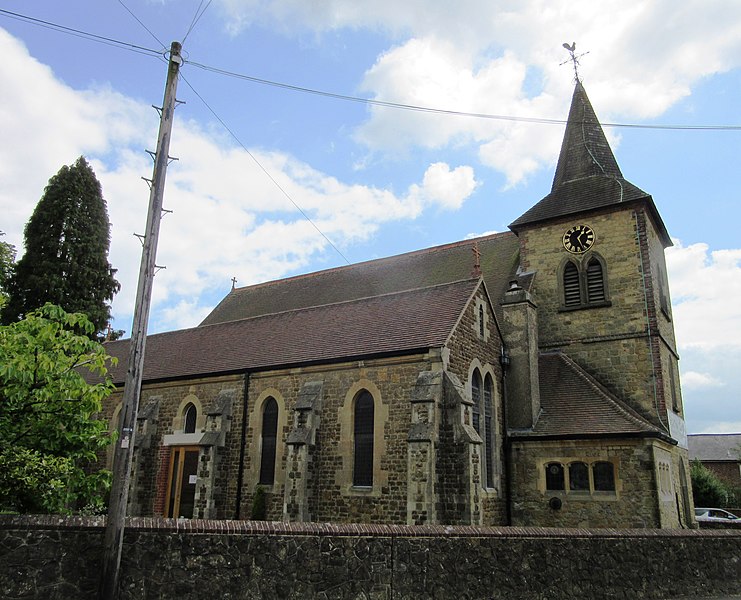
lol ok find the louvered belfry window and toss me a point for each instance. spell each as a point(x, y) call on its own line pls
point(363, 434)
point(571, 287)
point(595, 282)
point(269, 442)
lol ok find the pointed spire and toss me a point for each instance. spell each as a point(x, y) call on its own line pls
point(584, 151)
point(587, 175)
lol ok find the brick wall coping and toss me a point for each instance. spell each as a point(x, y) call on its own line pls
point(212, 526)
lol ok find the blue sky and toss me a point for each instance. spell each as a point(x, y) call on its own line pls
point(379, 181)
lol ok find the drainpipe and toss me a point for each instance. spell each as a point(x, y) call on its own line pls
point(504, 362)
point(242, 446)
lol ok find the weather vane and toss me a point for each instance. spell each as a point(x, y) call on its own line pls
point(574, 58)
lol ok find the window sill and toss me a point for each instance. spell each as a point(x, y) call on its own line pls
point(602, 304)
point(584, 495)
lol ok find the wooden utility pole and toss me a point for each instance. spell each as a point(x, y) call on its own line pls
point(124, 448)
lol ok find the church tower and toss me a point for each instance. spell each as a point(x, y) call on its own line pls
point(595, 245)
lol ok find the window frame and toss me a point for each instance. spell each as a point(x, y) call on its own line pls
point(190, 418)
point(269, 451)
point(363, 427)
point(564, 478)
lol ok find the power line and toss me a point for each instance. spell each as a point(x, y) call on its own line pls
point(82, 34)
point(367, 101)
point(457, 113)
point(263, 169)
point(142, 24)
point(196, 18)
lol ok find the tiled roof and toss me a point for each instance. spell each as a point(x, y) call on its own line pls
point(584, 149)
point(581, 195)
point(413, 270)
point(587, 175)
point(574, 404)
point(386, 324)
point(715, 446)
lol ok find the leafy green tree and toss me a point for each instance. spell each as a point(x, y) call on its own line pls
point(49, 436)
point(7, 259)
point(707, 488)
point(66, 258)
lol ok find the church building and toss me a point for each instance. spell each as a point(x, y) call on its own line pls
point(523, 378)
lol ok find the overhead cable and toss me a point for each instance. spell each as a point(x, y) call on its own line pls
point(263, 169)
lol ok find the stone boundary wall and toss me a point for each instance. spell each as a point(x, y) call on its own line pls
point(61, 557)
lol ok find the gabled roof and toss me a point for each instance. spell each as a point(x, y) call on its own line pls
point(574, 405)
point(388, 324)
point(714, 447)
point(413, 270)
point(587, 175)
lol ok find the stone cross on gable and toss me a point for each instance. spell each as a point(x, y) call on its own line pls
point(234, 283)
point(476, 260)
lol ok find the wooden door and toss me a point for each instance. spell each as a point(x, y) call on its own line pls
point(181, 487)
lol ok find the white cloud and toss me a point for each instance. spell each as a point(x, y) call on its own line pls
point(450, 55)
point(229, 218)
point(705, 286)
point(692, 380)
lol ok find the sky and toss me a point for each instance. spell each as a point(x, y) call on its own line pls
point(255, 159)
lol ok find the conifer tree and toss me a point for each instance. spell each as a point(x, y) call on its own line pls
point(66, 258)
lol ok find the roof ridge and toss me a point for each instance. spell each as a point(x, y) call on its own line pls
point(627, 411)
point(382, 259)
point(315, 307)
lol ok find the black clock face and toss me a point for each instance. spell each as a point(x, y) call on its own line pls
point(578, 239)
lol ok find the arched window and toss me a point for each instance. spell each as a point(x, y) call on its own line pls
point(578, 477)
point(554, 477)
point(269, 441)
point(571, 286)
point(595, 282)
point(604, 477)
point(363, 434)
point(481, 320)
point(476, 399)
point(488, 432)
point(190, 414)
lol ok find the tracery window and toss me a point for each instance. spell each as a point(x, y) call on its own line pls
point(363, 440)
point(269, 441)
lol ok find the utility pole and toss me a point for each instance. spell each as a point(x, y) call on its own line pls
point(124, 448)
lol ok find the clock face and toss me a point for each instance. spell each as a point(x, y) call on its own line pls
point(578, 239)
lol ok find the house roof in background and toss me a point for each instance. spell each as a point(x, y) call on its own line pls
point(715, 447)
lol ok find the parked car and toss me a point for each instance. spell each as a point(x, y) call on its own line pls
point(715, 515)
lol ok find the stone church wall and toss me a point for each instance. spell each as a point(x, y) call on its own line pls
point(633, 505)
point(468, 350)
point(331, 495)
point(61, 558)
